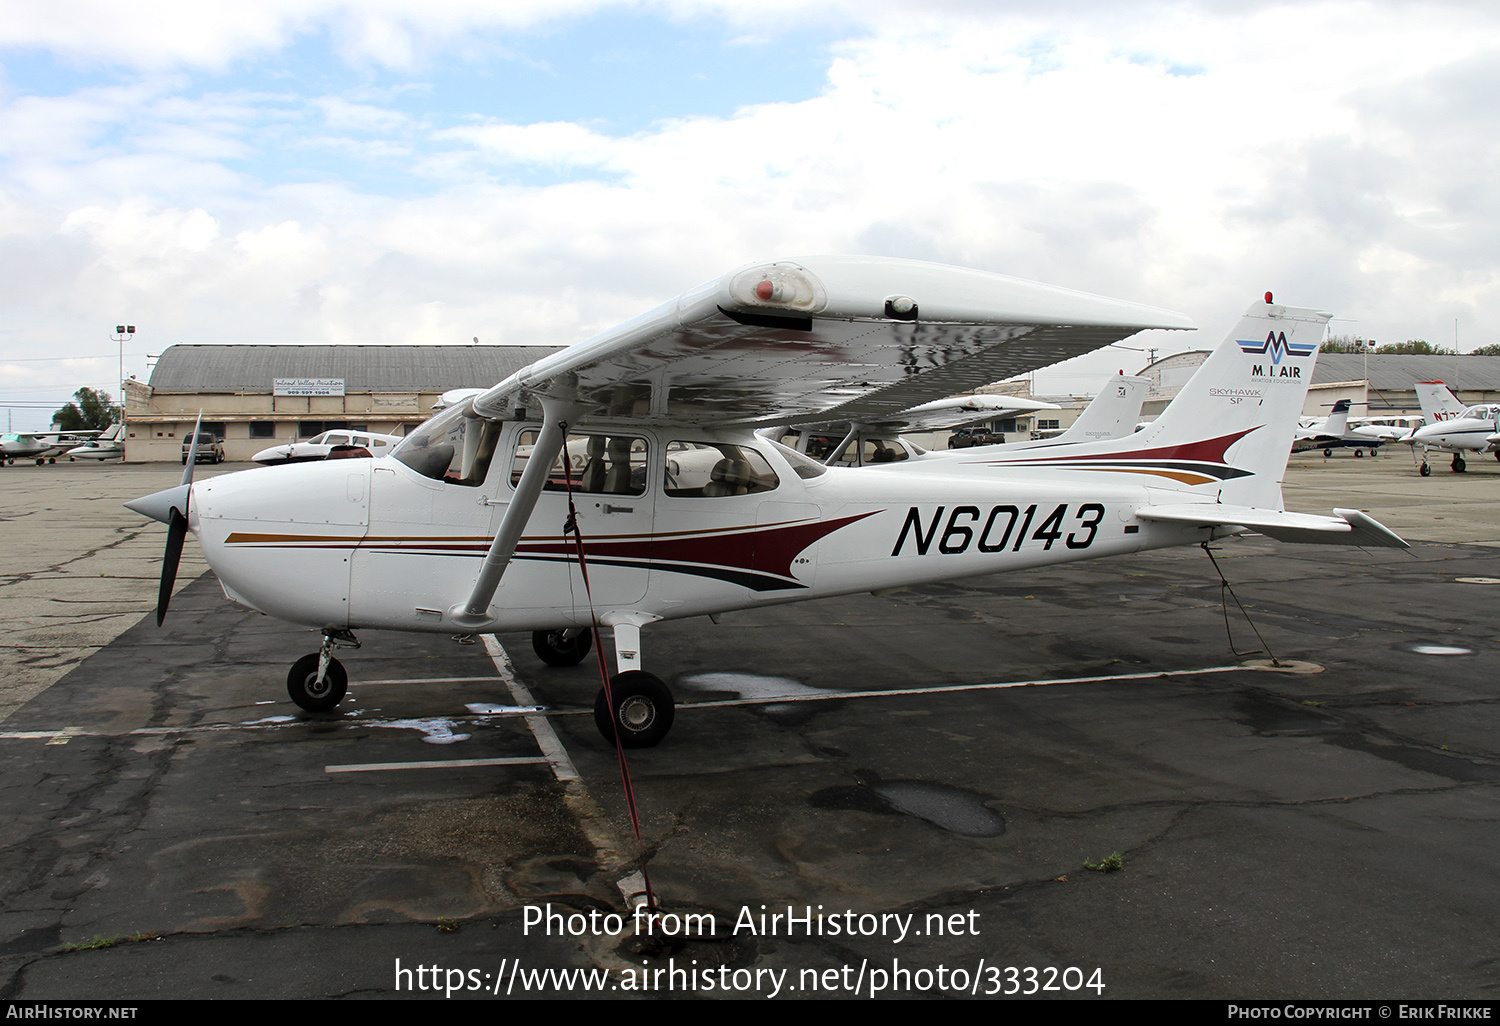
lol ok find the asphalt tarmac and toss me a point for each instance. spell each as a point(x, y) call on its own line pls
point(174, 827)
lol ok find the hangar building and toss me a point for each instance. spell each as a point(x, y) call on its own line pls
point(256, 396)
point(1387, 381)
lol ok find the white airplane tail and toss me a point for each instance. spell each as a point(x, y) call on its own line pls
point(1437, 401)
point(1114, 412)
point(1337, 423)
point(1230, 430)
point(1216, 456)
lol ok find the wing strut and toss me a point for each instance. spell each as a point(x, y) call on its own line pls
point(474, 614)
point(833, 453)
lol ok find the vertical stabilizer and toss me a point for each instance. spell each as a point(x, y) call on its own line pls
point(1114, 412)
point(1227, 435)
point(1437, 401)
point(1337, 424)
point(1240, 410)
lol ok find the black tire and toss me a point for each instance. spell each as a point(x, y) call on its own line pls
point(1426, 470)
point(555, 650)
point(1358, 454)
point(1459, 466)
point(301, 684)
point(643, 710)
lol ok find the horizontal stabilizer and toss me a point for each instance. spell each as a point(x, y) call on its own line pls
point(1350, 527)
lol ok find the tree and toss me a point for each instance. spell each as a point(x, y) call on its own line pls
point(1493, 349)
point(1417, 347)
point(93, 411)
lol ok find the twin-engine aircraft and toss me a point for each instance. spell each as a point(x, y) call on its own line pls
point(1453, 429)
point(683, 510)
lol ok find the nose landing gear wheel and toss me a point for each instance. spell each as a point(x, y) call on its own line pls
point(555, 648)
point(643, 710)
point(1426, 470)
point(302, 684)
point(1459, 466)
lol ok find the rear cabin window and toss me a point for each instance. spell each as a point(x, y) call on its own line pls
point(871, 450)
point(714, 469)
point(598, 464)
point(804, 466)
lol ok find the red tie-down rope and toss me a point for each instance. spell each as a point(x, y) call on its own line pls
point(570, 526)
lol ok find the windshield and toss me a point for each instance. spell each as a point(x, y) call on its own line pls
point(455, 446)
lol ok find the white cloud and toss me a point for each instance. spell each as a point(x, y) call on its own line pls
point(1186, 155)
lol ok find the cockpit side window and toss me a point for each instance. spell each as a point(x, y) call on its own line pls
point(715, 469)
point(599, 464)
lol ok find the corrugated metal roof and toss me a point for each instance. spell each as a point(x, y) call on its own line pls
point(252, 368)
point(1390, 372)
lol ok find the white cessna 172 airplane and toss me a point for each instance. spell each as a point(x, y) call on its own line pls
point(684, 511)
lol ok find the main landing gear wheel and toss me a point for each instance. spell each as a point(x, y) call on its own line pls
point(302, 684)
point(1426, 470)
point(1459, 466)
point(555, 648)
point(643, 710)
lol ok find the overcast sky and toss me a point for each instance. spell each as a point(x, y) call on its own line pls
point(534, 171)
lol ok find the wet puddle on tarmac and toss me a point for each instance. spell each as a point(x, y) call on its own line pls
point(1429, 648)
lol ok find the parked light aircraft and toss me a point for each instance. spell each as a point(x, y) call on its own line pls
point(1113, 413)
point(42, 446)
point(873, 440)
point(320, 447)
point(1380, 429)
point(465, 526)
point(1323, 432)
point(108, 446)
point(1452, 428)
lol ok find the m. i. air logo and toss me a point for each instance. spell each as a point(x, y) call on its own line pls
point(1279, 348)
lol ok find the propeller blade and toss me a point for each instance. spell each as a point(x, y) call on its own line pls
point(176, 535)
point(192, 456)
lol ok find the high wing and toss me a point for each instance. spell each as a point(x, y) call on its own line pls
point(821, 339)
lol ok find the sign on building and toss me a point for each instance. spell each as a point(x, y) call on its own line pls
point(307, 386)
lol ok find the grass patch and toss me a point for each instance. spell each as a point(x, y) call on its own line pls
point(1111, 863)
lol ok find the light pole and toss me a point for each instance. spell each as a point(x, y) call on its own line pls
point(122, 332)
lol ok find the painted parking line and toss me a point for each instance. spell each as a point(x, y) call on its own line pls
point(940, 689)
point(536, 715)
point(56, 736)
point(371, 767)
